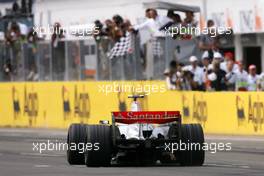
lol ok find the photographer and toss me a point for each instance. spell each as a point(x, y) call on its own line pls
point(173, 76)
point(188, 82)
point(209, 42)
point(217, 78)
point(231, 76)
point(195, 77)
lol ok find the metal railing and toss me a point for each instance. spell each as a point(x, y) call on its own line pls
point(73, 60)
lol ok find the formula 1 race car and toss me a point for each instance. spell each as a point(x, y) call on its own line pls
point(137, 137)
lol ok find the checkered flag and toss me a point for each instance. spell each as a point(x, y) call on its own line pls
point(122, 47)
point(156, 48)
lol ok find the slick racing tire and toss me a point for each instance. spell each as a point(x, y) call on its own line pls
point(99, 136)
point(192, 135)
point(76, 136)
point(169, 158)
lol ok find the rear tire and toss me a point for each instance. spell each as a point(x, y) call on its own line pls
point(192, 135)
point(169, 158)
point(76, 135)
point(99, 135)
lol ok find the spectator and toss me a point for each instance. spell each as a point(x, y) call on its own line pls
point(174, 26)
point(32, 39)
point(187, 82)
point(205, 60)
point(117, 34)
point(217, 77)
point(57, 35)
point(58, 53)
point(189, 20)
point(206, 64)
point(261, 82)
point(13, 34)
point(159, 19)
point(154, 23)
point(126, 25)
point(118, 20)
point(109, 28)
point(241, 78)
point(7, 69)
point(252, 79)
point(15, 7)
point(172, 76)
point(197, 73)
point(230, 75)
point(33, 74)
point(176, 18)
point(208, 42)
point(114, 29)
point(23, 31)
point(216, 57)
point(99, 26)
point(229, 56)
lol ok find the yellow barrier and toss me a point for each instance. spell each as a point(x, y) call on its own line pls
point(58, 104)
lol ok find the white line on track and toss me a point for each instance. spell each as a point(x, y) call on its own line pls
point(229, 165)
point(235, 138)
point(41, 165)
point(40, 154)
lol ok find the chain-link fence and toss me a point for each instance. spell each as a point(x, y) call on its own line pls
point(68, 60)
point(88, 59)
point(162, 50)
point(2, 61)
point(126, 67)
point(44, 64)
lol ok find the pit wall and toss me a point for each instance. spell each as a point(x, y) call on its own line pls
point(58, 104)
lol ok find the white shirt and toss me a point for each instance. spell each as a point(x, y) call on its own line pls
point(150, 25)
point(197, 72)
point(162, 20)
point(171, 81)
point(223, 66)
point(252, 82)
point(23, 28)
point(261, 81)
point(241, 76)
point(153, 26)
point(241, 79)
point(231, 77)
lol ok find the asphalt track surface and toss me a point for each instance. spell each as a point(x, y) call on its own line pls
point(17, 157)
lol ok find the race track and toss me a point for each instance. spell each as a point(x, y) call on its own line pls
point(17, 158)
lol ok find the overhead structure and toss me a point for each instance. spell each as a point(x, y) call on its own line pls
point(171, 6)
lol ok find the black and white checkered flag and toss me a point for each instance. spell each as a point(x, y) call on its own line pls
point(122, 47)
point(156, 48)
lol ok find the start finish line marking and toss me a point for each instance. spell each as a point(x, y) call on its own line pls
point(41, 166)
point(228, 165)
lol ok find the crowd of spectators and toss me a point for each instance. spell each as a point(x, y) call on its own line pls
point(155, 24)
point(222, 73)
point(211, 72)
point(16, 35)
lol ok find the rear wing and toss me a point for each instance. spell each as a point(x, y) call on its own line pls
point(154, 117)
